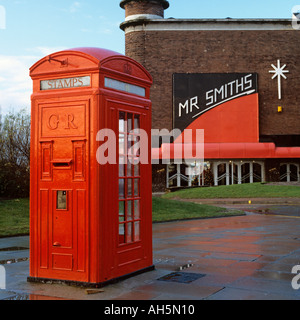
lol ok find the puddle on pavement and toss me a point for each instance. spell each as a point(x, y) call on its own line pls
point(13, 249)
point(9, 261)
point(32, 297)
point(13, 260)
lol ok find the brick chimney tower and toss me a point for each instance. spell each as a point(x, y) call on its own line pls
point(144, 9)
point(139, 13)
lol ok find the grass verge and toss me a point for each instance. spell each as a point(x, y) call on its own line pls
point(255, 190)
point(14, 217)
point(170, 210)
point(14, 214)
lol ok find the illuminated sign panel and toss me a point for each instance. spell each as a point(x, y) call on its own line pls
point(66, 83)
point(125, 87)
point(196, 94)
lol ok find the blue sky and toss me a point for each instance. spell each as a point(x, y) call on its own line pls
point(35, 28)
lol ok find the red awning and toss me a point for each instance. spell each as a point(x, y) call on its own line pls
point(226, 151)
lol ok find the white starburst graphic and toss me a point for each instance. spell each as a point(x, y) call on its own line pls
point(279, 72)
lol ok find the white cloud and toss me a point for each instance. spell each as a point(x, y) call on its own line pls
point(45, 51)
point(86, 30)
point(75, 6)
point(15, 82)
point(105, 31)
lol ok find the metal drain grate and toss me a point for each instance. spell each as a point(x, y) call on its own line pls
point(181, 277)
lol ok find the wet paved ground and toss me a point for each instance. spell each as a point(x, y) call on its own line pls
point(248, 257)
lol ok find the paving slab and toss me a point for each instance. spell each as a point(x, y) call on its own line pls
point(242, 258)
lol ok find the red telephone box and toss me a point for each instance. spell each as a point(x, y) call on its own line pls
point(90, 220)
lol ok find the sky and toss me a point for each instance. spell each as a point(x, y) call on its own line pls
point(32, 29)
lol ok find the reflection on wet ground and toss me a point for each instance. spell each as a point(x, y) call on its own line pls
point(32, 297)
point(285, 210)
point(238, 258)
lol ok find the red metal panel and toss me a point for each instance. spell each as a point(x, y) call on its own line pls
point(44, 229)
point(235, 121)
point(81, 241)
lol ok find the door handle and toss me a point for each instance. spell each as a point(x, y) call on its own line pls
point(56, 244)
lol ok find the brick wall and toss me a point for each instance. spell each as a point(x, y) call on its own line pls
point(166, 52)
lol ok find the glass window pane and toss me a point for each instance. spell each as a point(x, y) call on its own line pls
point(124, 86)
point(121, 211)
point(136, 170)
point(137, 231)
point(121, 166)
point(129, 188)
point(122, 144)
point(136, 166)
point(129, 230)
point(137, 209)
point(136, 187)
point(136, 122)
point(129, 168)
point(136, 147)
point(138, 90)
point(121, 233)
point(129, 122)
point(129, 210)
point(122, 122)
point(115, 84)
point(130, 145)
point(121, 188)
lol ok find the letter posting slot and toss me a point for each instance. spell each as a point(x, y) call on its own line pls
point(90, 193)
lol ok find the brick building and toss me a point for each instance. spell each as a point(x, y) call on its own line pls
point(238, 79)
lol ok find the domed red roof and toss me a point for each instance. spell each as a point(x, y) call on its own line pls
point(97, 53)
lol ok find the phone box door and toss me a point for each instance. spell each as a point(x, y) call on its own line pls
point(62, 190)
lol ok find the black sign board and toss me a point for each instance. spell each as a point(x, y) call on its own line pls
point(197, 93)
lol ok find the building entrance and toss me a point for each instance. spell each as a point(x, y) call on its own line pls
point(220, 172)
point(238, 172)
point(289, 172)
